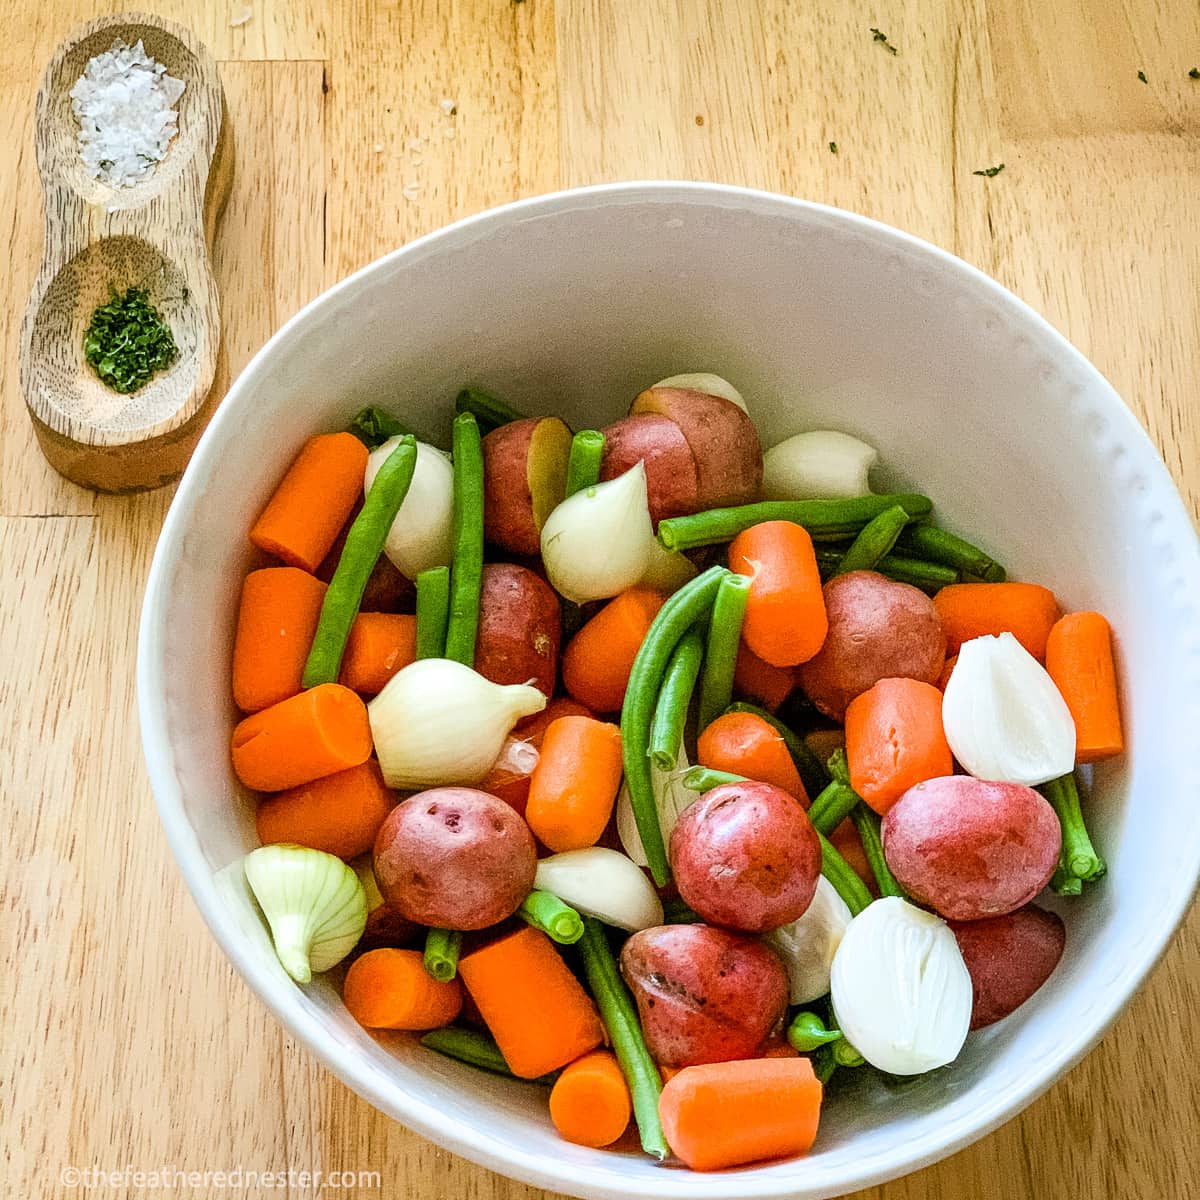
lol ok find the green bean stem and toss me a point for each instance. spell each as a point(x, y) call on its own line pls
point(625, 1033)
point(721, 648)
point(476, 1049)
point(823, 1063)
point(489, 411)
point(824, 519)
point(928, 576)
point(844, 878)
point(675, 698)
point(811, 769)
point(583, 465)
point(466, 572)
point(674, 619)
point(704, 779)
point(1078, 858)
point(808, 1032)
point(441, 953)
point(433, 608)
point(832, 807)
point(558, 921)
point(874, 540)
point(867, 823)
point(360, 553)
point(372, 426)
point(936, 545)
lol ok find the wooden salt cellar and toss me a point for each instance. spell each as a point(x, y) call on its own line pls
point(155, 235)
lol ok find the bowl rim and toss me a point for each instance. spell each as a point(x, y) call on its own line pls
point(417, 1114)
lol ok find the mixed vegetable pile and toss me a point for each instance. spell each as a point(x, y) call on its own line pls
point(778, 809)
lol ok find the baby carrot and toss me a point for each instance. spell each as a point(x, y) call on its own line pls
point(534, 1006)
point(971, 610)
point(785, 622)
point(589, 1103)
point(894, 740)
point(744, 744)
point(379, 644)
point(575, 782)
point(758, 680)
point(340, 814)
point(276, 623)
point(848, 844)
point(390, 989)
point(305, 737)
point(1079, 658)
point(509, 776)
point(533, 729)
point(726, 1114)
point(598, 659)
point(312, 502)
point(947, 668)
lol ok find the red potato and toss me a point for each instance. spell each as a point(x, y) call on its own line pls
point(524, 477)
point(386, 927)
point(878, 629)
point(746, 856)
point(1009, 958)
point(722, 438)
point(970, 848)
point(454, 857)
point(672, 484)
point(520, 627)
point(703, 995)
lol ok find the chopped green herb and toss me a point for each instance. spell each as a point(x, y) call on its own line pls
point(1194, 73)
point(833, 148)
point(990, 172)
point(882, 38)
point(127, 341)
point(1142, 77)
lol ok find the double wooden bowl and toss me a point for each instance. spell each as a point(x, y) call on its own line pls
point(155, 235)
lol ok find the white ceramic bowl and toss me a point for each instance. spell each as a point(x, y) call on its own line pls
point(570, 304)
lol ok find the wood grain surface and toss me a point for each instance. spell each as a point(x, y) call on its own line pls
point(126, 1037)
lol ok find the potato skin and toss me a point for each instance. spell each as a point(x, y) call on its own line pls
point(509, 465)
point(878, 629)
point(454, 857)
point(722, 438)
point(703, 994)
point(1009, 958)
point(745, 856)
point(970, 848)
point(671, 481)
point(520, 627)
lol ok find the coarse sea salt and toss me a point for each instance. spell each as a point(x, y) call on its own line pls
point(125, 104)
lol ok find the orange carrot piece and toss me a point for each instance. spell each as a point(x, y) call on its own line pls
point(533, 729)
point(340, 814)
point(590, 1103)
point(848, 844)
point(668, 1072)
point(509, 776)
point(534, 1006)
point(574, 785)
point(726, 1114)
point(390, 989)
point(276, 622)
point(312, 502)
point(895, 740)
point(785, 622)
point(1079, 658)
point(779, 1047)
point(745, 744)
point(759, 681)
point(378, 646)
point(971, 610)
point(306, 737)
point(947, 667)
point(598, 659)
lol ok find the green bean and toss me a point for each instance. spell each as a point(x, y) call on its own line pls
point(441, 953)
point(845, 1055)
point(825, 520)
point(844, 878)
point(866, 821)
point(674, 619)
point(466, 572)
point(625, 1033)
point(476, 1049)
point(1078, 858)
point(874, 540)
point(929, 577)
point(674, 699)
point(487, 409)
point(721, 648)
point(823, 1063)
point(704, 779)
point(433, 607)
point(939, 546)
point(808, 1032)
point(832, 807)
point(583, 465)
point(558, 921)
point(364, 544)
point(372, 426)
point(811, 769)
point(679, 912)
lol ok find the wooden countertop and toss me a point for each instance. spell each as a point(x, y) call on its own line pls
point(128, 1039)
